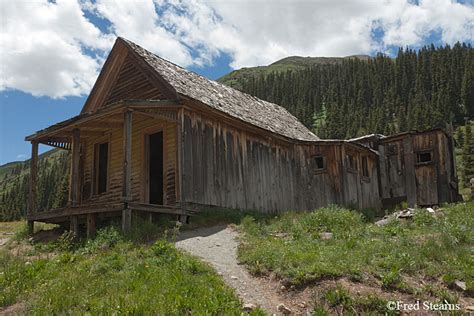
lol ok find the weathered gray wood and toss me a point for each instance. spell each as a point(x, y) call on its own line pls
point(127, 156)
point(74, 184)
point(126, 219)
point(162, 209)
point(410, 178)
point(181, 155)
point(32, 196)
point(77, 210)
point(91, 225)
point(74, 225)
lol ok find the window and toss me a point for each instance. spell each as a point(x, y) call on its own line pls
point(424, 157)
point(365, 167)
point(351, 162)
point(319, 163)
point(101, 166)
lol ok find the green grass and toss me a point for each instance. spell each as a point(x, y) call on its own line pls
point(426, 248)
point(112, 274)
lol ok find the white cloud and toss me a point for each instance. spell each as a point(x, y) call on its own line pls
point(42, 48)
point(21, 156)
point(44, 54)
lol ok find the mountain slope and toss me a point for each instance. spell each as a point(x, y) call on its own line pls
point(293, 63)
point(53, 172)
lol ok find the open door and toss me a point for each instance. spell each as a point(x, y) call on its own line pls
point(155, 168)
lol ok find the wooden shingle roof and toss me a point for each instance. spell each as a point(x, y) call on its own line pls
point(237, 104)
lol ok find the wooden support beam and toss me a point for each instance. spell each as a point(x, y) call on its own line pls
point(127, 170)
point(32, 187)
point(127, 157)
point(102, 124)
point(91, 225)
point(74, 182)
point(126, 219)
point(181, 132)
point(74, 225)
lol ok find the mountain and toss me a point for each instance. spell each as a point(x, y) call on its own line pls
point(357, 95)
point(53, 171)
point(293, 63)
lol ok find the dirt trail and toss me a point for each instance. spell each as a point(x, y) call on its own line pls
point(218, 246)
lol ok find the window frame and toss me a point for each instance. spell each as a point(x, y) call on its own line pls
point(421, 152)
point(95, 167)
point(352, 167)
point(317, 170)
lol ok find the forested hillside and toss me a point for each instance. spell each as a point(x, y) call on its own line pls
point(53, 185)
point(416, 90)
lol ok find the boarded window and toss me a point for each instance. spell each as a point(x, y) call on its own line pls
point(424, 157)
point(319, 163)
point(365, 167)
point(101, 167)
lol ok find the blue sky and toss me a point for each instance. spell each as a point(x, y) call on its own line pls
point(50, 60)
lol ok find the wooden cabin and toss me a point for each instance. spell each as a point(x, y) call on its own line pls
point(154, 138)
point(416, 167)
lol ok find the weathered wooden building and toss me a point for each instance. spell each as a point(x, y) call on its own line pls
point(416, 167)
point(153, 137)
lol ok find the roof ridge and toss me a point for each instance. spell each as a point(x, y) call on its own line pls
point(246, 107)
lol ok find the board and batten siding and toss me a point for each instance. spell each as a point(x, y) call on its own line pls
point(140, 127)
point(229, 167)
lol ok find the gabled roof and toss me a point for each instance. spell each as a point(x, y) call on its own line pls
point(237, 104)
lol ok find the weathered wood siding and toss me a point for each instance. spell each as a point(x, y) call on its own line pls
point(132, 83)
point(403, 178)
point(140, 127)
point(229, 167)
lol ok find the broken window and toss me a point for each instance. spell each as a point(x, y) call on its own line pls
point(100, 167)
point(424, 157)
point(351, 162)
point(319, 163)
point(365, 167)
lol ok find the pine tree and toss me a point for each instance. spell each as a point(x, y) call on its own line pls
point(468, 155)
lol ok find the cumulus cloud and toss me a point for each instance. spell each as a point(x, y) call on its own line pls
point(57, 51)
point(42, 48)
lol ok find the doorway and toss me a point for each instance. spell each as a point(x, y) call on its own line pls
point(155, 168)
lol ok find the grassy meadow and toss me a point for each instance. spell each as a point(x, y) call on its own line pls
point(112, 274)
point(422, 257)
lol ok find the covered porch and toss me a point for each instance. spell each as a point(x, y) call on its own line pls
point(110, 173)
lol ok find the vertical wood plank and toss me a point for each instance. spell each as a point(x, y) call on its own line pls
point(410, 178)
point(127, 170)
point(74, 225)
point(74, 184)
point(127, 156)
point(91, 225)
point(181, 134)
point(32, 189)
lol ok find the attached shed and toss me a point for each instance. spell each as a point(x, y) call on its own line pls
point(153, 137)
point(417, 167)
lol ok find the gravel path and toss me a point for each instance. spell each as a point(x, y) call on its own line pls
point(218, 246)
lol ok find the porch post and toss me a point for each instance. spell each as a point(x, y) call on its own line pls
point(74, 187)
point(127, 170)
point(181, 132)
point(91, 225)
point(74, 192)
point(32, 184)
